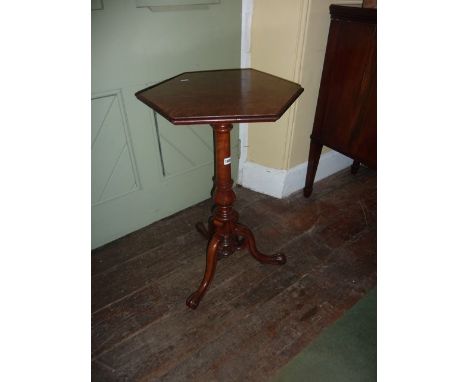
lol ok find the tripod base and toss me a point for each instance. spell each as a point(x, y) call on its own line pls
point(229, 244)
point(224, 233)
point(222, 245)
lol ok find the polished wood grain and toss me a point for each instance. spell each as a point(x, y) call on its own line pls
point(255, 318)
point(232, 95)
point(346, 112)
point(225, 234)
point(220, 97)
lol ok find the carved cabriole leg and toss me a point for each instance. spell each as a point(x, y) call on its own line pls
point(314, 157)
point(277, 258)
point(211, 259)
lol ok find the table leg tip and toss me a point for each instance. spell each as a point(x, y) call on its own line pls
point(193, 301)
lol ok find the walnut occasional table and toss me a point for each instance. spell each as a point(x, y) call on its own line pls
point(220, 98)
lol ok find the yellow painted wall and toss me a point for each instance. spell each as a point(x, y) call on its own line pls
point(275, 35)
point(288, 39)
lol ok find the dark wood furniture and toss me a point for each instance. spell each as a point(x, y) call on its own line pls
point(220, 98)
point(346, 113)
point(369, 3)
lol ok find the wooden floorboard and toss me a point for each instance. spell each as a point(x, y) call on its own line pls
point(255, 317)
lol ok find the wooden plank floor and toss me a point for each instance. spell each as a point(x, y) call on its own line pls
point(255, 317)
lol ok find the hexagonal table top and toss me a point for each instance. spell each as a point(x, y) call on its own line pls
point(231, 95)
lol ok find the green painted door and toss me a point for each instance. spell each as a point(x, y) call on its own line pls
point(144, 168)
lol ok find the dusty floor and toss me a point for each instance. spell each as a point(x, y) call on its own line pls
point(254, 317)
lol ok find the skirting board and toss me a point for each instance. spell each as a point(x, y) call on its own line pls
point(281, 183)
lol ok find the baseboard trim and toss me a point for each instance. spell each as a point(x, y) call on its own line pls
point(281, 183)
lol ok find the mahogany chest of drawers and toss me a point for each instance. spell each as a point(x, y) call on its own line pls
point(346, 113)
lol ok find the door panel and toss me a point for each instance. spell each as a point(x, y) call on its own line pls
point(144, 168)
point(184, 148)
point(113, 172)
